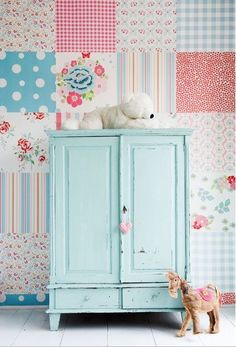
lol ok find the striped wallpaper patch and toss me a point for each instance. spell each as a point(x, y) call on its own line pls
point(24, 203)
point(152, 73)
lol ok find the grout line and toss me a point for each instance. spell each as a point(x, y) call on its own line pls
point(201, 340)
point(231, 321)
point(63, 330)
point(107, 329)
point(150, 326)
point(22, 327)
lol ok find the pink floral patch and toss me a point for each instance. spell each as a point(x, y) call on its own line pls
point(205, 82)
point(231, 182)
point(200, 222)
point(99, 70)
point(74, 99)
point(24, 263)
point(27, 25)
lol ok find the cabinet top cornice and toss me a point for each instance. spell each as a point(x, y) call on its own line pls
point(119, 132)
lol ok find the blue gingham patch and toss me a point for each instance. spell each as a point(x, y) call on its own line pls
point(213, 259)
point(205, 25)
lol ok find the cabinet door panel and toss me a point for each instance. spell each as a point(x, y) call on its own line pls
point(87, 211)
point(153, 190)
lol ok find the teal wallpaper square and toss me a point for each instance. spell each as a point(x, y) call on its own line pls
point(27, 82)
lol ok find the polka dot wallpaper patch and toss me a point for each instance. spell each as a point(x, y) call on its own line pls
point(27, 82)
point(205, 82)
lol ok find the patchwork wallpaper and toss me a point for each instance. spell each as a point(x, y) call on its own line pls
point(180, 52)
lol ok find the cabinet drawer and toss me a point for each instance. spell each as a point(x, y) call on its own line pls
point(87, 298)
point(149, 298)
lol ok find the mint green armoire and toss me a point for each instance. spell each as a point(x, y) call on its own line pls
point(99, 179)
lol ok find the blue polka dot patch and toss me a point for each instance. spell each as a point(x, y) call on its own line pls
point(27, 82)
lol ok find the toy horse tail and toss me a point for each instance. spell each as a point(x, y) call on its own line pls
point(219, 295)
point(217, 291)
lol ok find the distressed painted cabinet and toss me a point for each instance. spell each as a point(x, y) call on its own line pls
point(99, 179)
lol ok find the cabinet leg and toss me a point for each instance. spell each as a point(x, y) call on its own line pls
point(54, 320)
point(183, 314)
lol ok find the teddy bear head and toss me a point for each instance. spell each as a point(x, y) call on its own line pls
point(138, 105)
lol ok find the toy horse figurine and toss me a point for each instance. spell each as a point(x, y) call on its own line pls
point(198, 300)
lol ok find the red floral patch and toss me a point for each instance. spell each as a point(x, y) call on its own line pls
point(4, 127)
point(25, 145)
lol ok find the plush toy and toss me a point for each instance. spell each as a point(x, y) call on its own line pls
point(135, 111)
point(195, 301)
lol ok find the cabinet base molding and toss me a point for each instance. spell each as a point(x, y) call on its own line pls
point(109, 300)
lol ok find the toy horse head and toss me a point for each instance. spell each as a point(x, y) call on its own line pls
point(174, 284)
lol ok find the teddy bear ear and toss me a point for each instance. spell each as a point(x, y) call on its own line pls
point(127, 98)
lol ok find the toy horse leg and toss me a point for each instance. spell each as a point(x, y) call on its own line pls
point(185, 324)
point(215, 311)
point(212, 321)
point(183, 315)
point(196, 321)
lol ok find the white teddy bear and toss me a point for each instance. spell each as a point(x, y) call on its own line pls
point(134, 112)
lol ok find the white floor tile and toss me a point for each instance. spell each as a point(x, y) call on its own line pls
point(11, 324)
point(226, 336)
point(85, 330)
point(129, 330)
point(31, 328)
point(165, 326)
point(36, 332)
point(229, 313)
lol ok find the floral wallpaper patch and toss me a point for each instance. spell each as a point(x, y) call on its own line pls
point(85, 81)
point(27, 82)
point(24, 143)
point(24, 203)
point(212, 142)
point(145, 25)
point(27, 25)
point(24, 264)
point(205, 82)
point(212, 202)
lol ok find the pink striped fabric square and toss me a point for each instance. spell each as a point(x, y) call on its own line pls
point(85, 25)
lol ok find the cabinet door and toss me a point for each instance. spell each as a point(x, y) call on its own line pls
point(153, 192)
point(86, 191)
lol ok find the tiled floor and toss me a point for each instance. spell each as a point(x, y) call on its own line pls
point(24, 327)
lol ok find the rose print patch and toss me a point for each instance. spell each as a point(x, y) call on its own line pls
point(212, 143)
point(24, 264)
point(205, 82)
point(27, 25)
point(146, 25)
point(85, 81)
point(212, 201)
point(23, 141)
point(27, 82)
